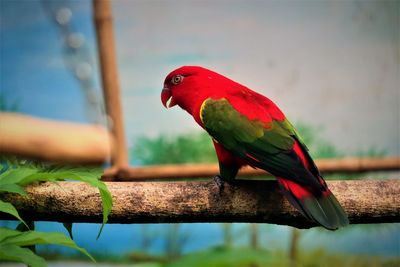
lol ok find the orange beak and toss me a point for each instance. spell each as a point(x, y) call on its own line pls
point(166, 98)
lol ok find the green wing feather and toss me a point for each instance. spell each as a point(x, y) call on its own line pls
point(269, 146)
point(265, 145)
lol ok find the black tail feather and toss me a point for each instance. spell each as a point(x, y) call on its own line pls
point(324, 209)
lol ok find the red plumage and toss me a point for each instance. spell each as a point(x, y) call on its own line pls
point(249, 129)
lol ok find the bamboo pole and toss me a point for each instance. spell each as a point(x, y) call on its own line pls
point(293, 249)
point(56, 141)
point(365, 201)
point(109, 75)
point(345, 165)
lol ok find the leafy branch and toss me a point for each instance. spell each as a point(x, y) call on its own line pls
point(14, 175)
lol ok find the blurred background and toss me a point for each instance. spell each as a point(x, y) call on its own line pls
point(332, 67)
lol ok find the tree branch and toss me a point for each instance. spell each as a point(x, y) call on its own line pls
point(365, 201)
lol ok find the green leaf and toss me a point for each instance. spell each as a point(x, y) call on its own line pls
point(107, 206)
point(2, 167)
point(41, 177)
point(22, 228)
point(104, 194)
point(11, 252)
point(68, 226)
point(27, 175)
point(15, 176)
point(79, 174)
point(39, 238)
point(6, 232)
point(10, 209)
point(12, 188)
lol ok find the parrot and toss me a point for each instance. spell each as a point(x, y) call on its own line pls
point(247, 128)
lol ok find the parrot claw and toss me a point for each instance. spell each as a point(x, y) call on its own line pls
point(220, 183)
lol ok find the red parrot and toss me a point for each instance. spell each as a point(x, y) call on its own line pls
point(247, 128)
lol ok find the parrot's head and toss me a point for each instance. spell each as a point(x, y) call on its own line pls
point(189, 86)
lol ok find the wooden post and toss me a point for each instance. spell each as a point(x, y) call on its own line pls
point(109, 74)
point(344, 165)
point(293, 249)
point(253, 236)
point(55, 141)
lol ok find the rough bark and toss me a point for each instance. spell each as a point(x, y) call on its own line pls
point(365, 201)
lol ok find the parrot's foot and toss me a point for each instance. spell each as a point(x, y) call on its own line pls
point(220, 183)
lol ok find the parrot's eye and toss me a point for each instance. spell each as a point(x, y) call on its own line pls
point(177, 79)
